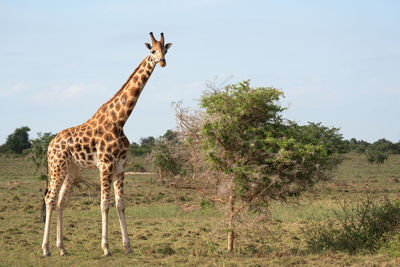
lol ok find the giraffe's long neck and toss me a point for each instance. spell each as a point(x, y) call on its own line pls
point(120, 106)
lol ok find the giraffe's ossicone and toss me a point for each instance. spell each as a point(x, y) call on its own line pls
point(98, 143)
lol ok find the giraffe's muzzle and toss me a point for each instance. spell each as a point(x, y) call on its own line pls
point(162, 63)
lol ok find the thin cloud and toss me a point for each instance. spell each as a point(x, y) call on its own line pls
point(13, 90)
point(74, 93)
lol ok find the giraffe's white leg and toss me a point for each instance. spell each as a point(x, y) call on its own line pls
point(120, 205)
point(60, 243)
point(105, 205)
point(45, 243)
point(106, 179)
point(57, 178)
point(60, 207)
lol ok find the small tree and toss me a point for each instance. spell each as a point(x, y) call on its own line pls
point(38, 154)
point(239, 151)
point(163, 156)
point(18, 141)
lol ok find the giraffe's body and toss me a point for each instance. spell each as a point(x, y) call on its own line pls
point(98, 143)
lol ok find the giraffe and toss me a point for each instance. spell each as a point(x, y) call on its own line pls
point(99, 143)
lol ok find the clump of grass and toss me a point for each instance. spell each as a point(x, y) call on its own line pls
point(392, 247)
point(361, 227)
point(165, 249)
point(205, 248)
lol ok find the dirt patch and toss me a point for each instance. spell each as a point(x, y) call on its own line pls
point(190, 207)
point(142, 173)
point(13, 185)
point(341, 184)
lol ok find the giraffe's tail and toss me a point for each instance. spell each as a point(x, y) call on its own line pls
point(43, 211)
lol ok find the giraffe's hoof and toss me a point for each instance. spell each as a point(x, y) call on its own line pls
point(127, 246)
point(107, 254)
point(46, 254)
point(63, 253)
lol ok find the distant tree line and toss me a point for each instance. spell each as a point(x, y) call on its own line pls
point(19, 141)
point(375, 153)
point(147, 144)
point(382, 145)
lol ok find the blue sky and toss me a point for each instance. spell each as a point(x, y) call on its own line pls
point(338, 62)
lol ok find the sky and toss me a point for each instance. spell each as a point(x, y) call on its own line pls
point(338, 62)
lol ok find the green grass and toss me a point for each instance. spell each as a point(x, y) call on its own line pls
point(163, 233)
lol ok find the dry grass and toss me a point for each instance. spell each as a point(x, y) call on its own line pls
point(169, 228)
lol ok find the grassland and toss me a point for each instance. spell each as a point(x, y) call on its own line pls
point(170, 228)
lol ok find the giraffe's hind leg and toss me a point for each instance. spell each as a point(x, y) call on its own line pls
point(69, 179)
point(57, 177)
point(106, 175)
point(120, 205)
point(45, 243)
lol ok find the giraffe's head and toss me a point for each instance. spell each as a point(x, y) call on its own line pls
point(158, 50)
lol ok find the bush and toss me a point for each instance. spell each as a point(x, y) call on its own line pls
point(363, 227)
point(39, 147)
point(38, 155)
point(376, 156)
point(3, 149)
point(163, 157)
point(137, 167)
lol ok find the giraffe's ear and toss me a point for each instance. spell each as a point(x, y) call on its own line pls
point(148, 46)
point(167, 46)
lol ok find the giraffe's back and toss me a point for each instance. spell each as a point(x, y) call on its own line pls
point(86, 145)
point(76, 146)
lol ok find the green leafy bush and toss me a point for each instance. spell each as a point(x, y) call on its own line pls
point(363, 227)
point(136, 167)
point(38, 155)
point(376, 156)
point(163, 158)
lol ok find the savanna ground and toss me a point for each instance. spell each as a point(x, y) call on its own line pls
point(171, 228)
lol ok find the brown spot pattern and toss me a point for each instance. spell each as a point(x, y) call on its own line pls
point(99, 141)
point(137, 92)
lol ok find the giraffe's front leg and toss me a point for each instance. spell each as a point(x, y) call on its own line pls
point(106, 178)
point(120, 205)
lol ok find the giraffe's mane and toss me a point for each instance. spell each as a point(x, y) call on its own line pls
point(123, 86)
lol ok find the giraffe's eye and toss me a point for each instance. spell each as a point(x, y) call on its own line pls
point(153, 51)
